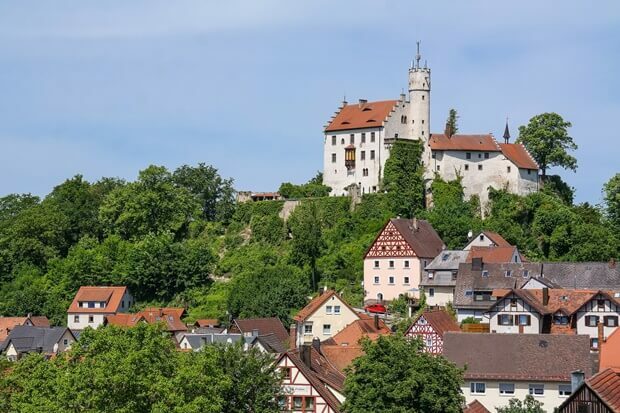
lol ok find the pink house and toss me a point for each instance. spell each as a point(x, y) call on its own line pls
point(394, 263)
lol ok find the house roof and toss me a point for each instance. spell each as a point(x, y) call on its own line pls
point(30, 338)
point(497, 239)
point(366, 115)
point(606, 385)
point(519, 357)
point(207, 322)
point(610, 351)
point(171, 317)
point(439, 271)
point(423, 240)
point(441, 142)
point(40, 321)
point(475, 407)
point(8, 323)
point(269, 325)
point(518, 155)
point(354, 332)
point(493, 254)
point(440, 320)
point(112, 296)
point(341, 357)
point(272, 343)
point(566, 301)
point(197, 341)
point(316, 303)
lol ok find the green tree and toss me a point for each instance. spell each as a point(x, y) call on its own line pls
point(395, 376)
point(611, 195)
point(546, 138)
point(314, 188)
point(13, 204)
point(306, 230)
point(554, 185)
point(528, 405)
point(403, 178)
point(452, 127)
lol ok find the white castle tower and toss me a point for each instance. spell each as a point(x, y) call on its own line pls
point(420, 103)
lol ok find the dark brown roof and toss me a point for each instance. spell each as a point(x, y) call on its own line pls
point(356, 116)
point(606, 385)
point(518, 155)
point(40, 321)
point(440, 142)
point(475, 407)
point(440, 320)
point(497, 239)
point(541, 357)
point(424, 240)
point(265, 326)
point(316, 303)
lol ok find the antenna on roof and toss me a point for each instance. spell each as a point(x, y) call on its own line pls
point(418, 56)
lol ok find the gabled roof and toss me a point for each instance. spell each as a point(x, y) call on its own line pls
point(366, 115)
point(418, 233)
point(475, 407)
point(440, 320)
point(112, 296)
point(272, 343)
point(519, 357)
point(354, 332)
point(610, 351)
point(171, 317)
point(316, 303)
point(518, 155)
point(606, 385)
point(29, 338)
point(207, 322)
point(492, 255)
point(496, 238)
point(8, 323)
point(264, 326)
point(441, 142)
point(447, 260)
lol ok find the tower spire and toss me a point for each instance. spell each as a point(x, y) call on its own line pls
point(418, 56)
point(506, 132)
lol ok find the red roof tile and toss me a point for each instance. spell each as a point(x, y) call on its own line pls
point(497, 239)
point(606, 385)
point(440, 142)
point(518, 155)
point(610, 351)
point(171, 317)
point(356, 116)
point(207, 322)
point(440, 320)
point(475, 407)
point(316, 303)
point(8, 323)
point(490, 255)
point(112, 296)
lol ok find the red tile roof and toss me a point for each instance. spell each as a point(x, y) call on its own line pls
point(518, 155)
point(112, 296)
point(610, 351)
point(440, 142)
point(171, 317)
point(40, 321)
point(207, 322)
point(606, 385)
point(316, 303)
point(475, 407)
point(8, 323)
point(342, 356)
point(560, 300)
point(356, 116)
point(440, 320)
point(497, 239)
point(496, 255)
point(265, 326)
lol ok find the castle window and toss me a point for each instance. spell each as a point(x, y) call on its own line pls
point(467, 167)
point(508, 169)
point(333, 139)
point(372, 136)
point(438, 167)
point(480, 167)
point(349, 157)
point(363, 137)
point(396, 136)
point(363, 155)
point(422, 133)
point(333, 158)
point(342, 141)
point(352, 138)
point(422, 97)
point(372, 154)
point(468, 155)
point(486, 155)
point(422, 121)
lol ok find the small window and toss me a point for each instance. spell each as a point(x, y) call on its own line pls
point(76, 318)
point(333, 139)
point(391, 264)
point(372, 136)
point(526, 273)
point(560, 320)
point(524, 319)
point(479, 156)
point(434, 155)
point(286, 373)
point(481, 237)
point(600, 304)
point(506, 389)
point(376, 264)
point(438, 167)
point(327, 329)
point(468, 155)
point(592, 320)
point(508, 273)
point(333, 158)
point(504, 319)
point(363, 137)
point(431, 292)
point(594, 343)
point(352, 139)
point(422, 133)
point(422, 121)
point(508, 169)
point(406, 263)
point(329, 309)
point(610, 321)
point(466, 167)
point(123, 304)
point(537, 389)
point(298, 402)
point(480, 167)
point(529, 171)
point(91, 319)
point(422, 97)
point(307, 329)
point(477, 388)
point(391, 280)
point(485, 273)
point(342, 141)
point(372, 154)
point(376, 279)
point(65, 342)
point(336, 309)
point(363, 155)
point(513, 302)
point(406, 280)
point(564, 390)
point(91, 304)
point(486, 155)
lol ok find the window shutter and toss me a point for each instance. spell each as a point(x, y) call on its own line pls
point(511, 318)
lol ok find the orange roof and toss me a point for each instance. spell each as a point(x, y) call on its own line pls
point(341, 356)
point(606, 385)
point(518, 155)
point(354, 332)
point(207, 322)
point(440, 320)
point(490, 255)
point(440, 142)
point(8, 323)
point(610, 351)
point(171, 317)
point(112, 296)
point(316, 303)
point(560, 300)
point(360, 116)
point(475, 407)
point(497, 239)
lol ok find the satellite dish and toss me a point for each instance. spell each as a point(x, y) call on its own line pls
point(470, 234)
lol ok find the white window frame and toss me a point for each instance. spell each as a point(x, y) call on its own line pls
point(327, 329)
point(474, 390)
point(376, 280)
point(564, 390)
point(533, 387)
point(391, 280)
point(336, 309)
point(307, 331)
point(406, 280)
point(504, 391)
point(376, 264)
point(329, 309)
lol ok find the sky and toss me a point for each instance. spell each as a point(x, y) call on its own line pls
point(106, 88)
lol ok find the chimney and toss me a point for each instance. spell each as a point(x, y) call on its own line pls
point(545, 296)
point(576, 378)
point(415, 224)
point(476, 264)
point(601, 335)
point(376, 321)
point(362, 102)
point(292, 339)
point(316, 344)
point(306, 356)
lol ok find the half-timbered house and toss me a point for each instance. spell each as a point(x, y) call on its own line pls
point(598, 394)
point(394, 263)
point(310, 383)
point(430, 327)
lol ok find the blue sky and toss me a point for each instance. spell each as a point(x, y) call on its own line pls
point(107, 88)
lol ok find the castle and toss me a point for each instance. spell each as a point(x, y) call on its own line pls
point(358, 138)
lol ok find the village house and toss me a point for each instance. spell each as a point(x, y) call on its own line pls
point(260, 327)
point(502, 366)
point(169, 317)
point(310, 382)
point(395, 261)
point(325, 316)
point(9, 323)
point(92, 305)
point(26, 339)
point(487, 239)
point(430, 327)
point(439, 281)
point(266, 344)
point(590, 312)
point(598, 394)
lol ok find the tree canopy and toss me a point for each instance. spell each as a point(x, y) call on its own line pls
point(403, 178)
point(528, 405)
